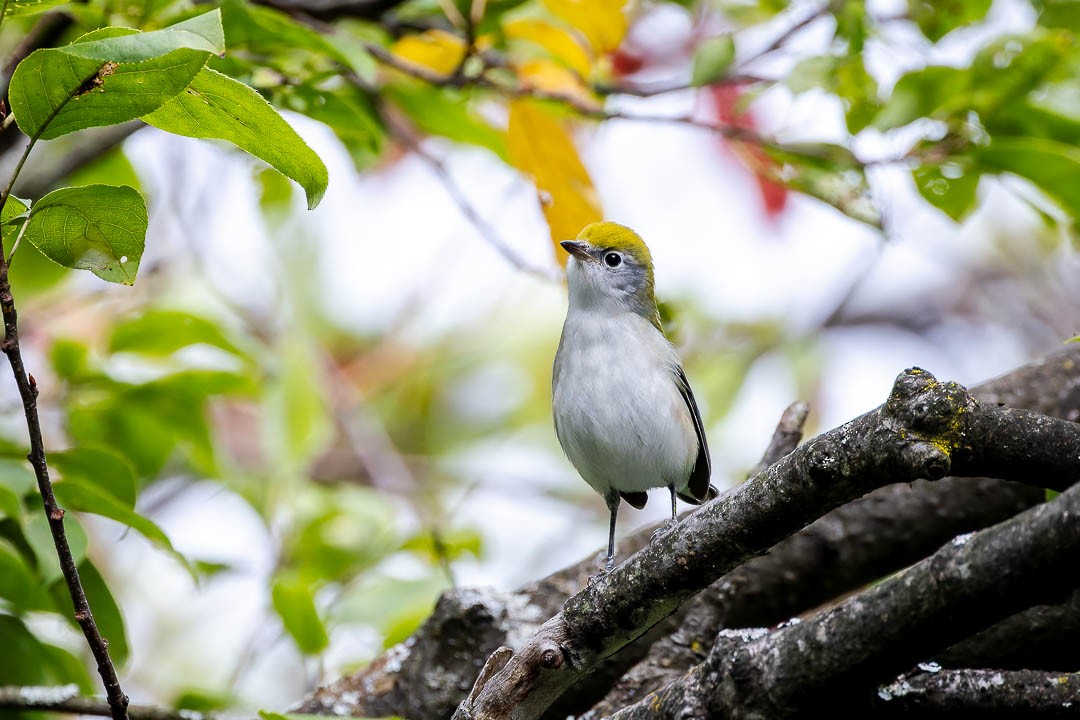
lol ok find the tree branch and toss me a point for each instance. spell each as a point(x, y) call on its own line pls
point(118, 702)
point(66, 699)
point(882, 630)
point(925, 427)
point(1015, 693)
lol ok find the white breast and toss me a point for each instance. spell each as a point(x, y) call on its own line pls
point(618, 412)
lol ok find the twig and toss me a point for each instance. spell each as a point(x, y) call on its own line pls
point(28, 391)
point(786, 436)
point(471, 214)
point(66, 699)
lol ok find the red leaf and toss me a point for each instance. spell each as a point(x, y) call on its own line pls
point(725, 99)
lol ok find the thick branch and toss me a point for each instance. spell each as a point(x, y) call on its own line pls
point(924, 426)
point(853, 545)
point(965, 586)
point(1044, 637)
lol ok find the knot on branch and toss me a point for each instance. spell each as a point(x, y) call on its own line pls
point(934, 409)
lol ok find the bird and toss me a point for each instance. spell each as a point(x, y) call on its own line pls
point(623, 409)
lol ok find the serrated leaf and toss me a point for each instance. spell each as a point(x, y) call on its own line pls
point(1052, 166)
point(110, 76)
point(950, 189)
point(295, 605)
point(712, 59)
point(542, 149)
point(99, 228)
point(216, 106)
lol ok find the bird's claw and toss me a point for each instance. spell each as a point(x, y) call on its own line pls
point(664, 529)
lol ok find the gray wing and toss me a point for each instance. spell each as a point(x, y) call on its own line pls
point(698, 489)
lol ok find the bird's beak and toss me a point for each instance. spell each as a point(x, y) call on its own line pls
point(578, 249)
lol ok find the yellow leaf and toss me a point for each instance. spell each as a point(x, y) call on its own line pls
point(436, 50)
point(602, 22)
point(560, 44)
point(549, 76)
point(541, 148)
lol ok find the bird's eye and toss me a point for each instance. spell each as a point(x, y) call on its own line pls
point(613, 259)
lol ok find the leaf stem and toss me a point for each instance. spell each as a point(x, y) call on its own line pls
point(18, 239)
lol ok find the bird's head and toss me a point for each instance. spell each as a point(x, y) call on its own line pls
point(610, 268)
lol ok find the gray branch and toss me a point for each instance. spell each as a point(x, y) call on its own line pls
point(925, 429)
point(884, 630)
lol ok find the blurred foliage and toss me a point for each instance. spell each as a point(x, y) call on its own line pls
point(337, 443)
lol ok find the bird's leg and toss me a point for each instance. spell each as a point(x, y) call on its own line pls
point(612, 501)
point(613, 507)
point(674, 517)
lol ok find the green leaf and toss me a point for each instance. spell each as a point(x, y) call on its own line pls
point(298, 423)
point(296, 606)
point(934, 91)
point(847, 78)
point(447, 113)
point(950, 188)
point(110, 76)
point(66, 669)
point(98, 466)
point(347, 112)
point(266, 31)
point(712, 60)
point(163, 332)
point(216, 106)
point(107, 615)
point(16, 480)
point(13, 208)
point(19, 584)
point(24, 660)
point(394, 607)
point(31, 7)
point(202, 32)
point(99, 228)
point(85, 497)
point(39, 536)
point(17, 476)
point(937, 18)
point(1052, 166)
point(1059, 14)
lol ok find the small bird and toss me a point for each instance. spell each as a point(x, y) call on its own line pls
point(624, 412)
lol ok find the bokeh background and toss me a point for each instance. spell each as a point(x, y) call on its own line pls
point(334, 415)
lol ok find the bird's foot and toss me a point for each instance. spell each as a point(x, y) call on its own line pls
point(609, 565)
point(664, 529)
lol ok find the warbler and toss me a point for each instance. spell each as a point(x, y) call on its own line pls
point(624, 411)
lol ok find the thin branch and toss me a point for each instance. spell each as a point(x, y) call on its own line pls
point(28, 391)
point(996, 693)
point(785, 438)
point(468, 210)
point(66, 699)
